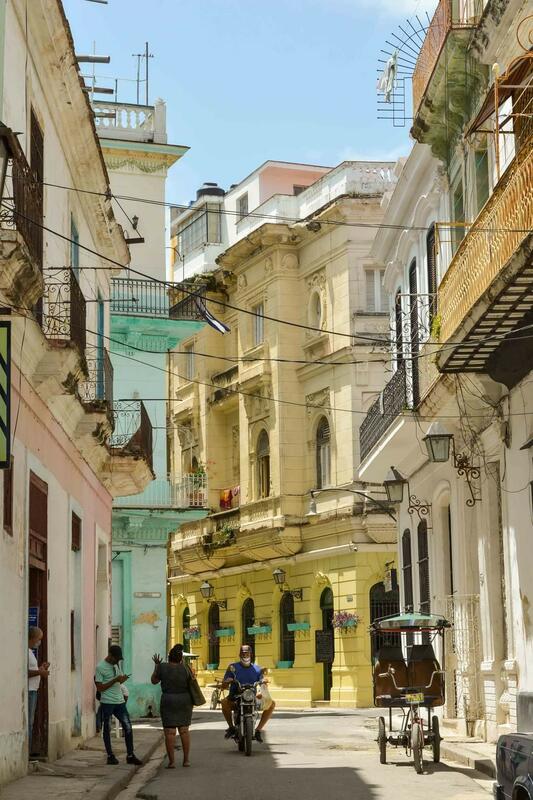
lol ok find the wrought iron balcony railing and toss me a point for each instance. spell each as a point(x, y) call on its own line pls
point(383, 412)
point(504, 223)
point(191, 491)
point(147, 298)
point(24, 209)
point(97, 389)
point(139, 297)
point(450, 15)
point(63, 308)
point(187, 301)
point(132, 432)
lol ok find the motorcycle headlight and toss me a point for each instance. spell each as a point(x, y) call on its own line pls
point(248, 695)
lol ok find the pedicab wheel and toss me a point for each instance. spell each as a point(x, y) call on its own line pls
point(382, 741)
point(435, 743)
point(417, 746)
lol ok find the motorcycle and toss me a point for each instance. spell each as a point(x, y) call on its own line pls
point(247, 704)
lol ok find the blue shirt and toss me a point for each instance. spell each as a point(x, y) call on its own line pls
point(250, 674)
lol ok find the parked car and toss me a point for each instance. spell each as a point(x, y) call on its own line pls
point(514, 767)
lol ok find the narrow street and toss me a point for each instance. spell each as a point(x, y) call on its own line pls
point(316, 755)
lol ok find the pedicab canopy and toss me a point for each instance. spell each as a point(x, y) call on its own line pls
point(410, 622)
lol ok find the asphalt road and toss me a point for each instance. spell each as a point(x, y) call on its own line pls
point(320, 755)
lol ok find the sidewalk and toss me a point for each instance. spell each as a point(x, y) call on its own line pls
point(84, 773)
point(472, 753)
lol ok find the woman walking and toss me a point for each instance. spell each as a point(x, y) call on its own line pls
point(176, 702)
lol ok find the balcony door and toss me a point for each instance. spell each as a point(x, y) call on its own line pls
point(326, 608)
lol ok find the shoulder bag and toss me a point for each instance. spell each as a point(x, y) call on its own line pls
point(195, 692)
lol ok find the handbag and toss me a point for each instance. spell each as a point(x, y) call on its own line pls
point(195, 692)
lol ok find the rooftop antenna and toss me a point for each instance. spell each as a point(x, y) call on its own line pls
point(139, 56)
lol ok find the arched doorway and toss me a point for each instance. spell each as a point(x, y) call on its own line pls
point(384, 604)
point(248, 618)
point(326, 607)
point(286, 615)
point(214, 641)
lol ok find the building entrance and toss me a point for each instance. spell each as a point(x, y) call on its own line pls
point(326, 606)
point(37, 600)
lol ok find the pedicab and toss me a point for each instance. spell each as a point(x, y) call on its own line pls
point(414, 685)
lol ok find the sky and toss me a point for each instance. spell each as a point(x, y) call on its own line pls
point(251, 80)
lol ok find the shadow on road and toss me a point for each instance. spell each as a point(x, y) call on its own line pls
point(218, 770)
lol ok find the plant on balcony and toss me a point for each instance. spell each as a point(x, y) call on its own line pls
point(224, 537)
point(345, 619)
point(192, 633)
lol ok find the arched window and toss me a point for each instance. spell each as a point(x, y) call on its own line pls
point(286, 615)
point(323, 454)
point(247, 617)
point(398, 327)
point(263, 465)
point(213, 623)
point(186, 618)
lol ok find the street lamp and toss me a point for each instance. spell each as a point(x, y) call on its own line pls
point(437, 441)
point(394, 483)
point(207, 590)
point(279, 576)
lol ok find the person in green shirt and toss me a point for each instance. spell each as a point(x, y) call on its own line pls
point(109, 678)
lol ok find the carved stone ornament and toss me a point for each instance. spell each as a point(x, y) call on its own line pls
point(317, 400)
point(131, 164)
point(269, 266)
point(242, 282)
point(317, 280)
point(289, 262)
point(258, 404)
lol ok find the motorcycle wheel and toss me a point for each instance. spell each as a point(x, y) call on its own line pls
point(417, 746)
point(248, 735)
point(240, 743)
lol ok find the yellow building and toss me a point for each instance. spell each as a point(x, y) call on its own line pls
point(271, 412)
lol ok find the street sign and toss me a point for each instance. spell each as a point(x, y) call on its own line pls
point(5, 393)
point(324, 647)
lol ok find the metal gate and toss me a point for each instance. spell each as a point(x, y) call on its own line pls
point(463, 657)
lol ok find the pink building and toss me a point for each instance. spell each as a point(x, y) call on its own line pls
point(71, 451)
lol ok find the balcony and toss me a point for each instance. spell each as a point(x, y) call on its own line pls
point(189, 492)
point(132, 431)
point(21, 233)
point(383, 412)
point(96, 391)
point(139, 298)
point(187, 301)
point(486, 291)
point(130, 121)
point(64, 316)
point(444, 84)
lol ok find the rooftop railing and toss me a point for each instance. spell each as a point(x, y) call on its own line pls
point(130, 121)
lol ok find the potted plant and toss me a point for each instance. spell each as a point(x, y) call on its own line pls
point(193, 632)
point(345, 619)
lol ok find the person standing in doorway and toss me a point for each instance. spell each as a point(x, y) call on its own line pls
point(35, 673)
point(109, 678)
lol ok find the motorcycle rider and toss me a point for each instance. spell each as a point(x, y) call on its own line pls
point(244, 671)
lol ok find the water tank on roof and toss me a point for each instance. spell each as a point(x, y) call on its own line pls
point(210, 189)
